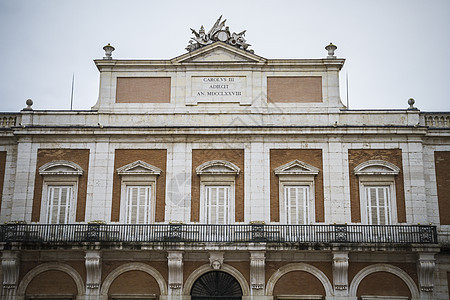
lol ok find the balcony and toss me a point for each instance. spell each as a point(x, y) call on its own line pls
point(201, 233)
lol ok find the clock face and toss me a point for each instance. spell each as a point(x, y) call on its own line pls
point(222, 36)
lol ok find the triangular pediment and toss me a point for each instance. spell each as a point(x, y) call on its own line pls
point(139, 167)
point(221, 53)
point(296, 167)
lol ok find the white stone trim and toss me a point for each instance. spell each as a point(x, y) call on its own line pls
point(217, 167)
point(384, 268)
point(133, 267)
point(48, 267)
point(296, 167)
point(207, 268)
point(376, 167)
point(63, 167)
point(299, 267)
point(139, 167)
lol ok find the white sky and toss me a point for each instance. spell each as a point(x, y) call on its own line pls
point(395, 49)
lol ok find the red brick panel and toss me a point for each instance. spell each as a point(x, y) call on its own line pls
point(235, 156)
point(2, 174)
point(155, 157)
point(383, 284)
point(442, 165)
point(143, 90)
point(279, 157)
point(78, 156)
point(300, 89)
point(52, 283)
point(134, 283)
point(298, 283)
point(358, 156)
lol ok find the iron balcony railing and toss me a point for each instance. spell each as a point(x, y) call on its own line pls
point(157, 233)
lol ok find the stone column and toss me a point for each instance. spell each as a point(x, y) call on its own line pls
point(426, 267)
point(175, 265)
point(257, 272)
point(93, 262)
point(340, 273)
point(10, 269)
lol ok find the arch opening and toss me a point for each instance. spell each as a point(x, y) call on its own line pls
point(216, 285)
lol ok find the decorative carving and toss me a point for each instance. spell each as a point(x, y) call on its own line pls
point(10, 270)
point(296, 167)
point(340, 270)
point(61, 167)
point(376, 167)
point(218, 34)
point(93, 262)
point(257, 269)
point(216, 260)
point(175, 265)
point(139, 167)
point(217, 167)
point(426, 266)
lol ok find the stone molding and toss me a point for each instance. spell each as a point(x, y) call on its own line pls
point(10, 272)
point(426, 267)
point(296, 167)
point(383, 268)
point(175, 267)
point(139, 167)
point(340, 270)
point(93, 262)
point(376, 167)
point(60, 167)
point(217, 167)
point(257, 270)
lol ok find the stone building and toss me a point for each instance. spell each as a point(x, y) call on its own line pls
point(223, 174)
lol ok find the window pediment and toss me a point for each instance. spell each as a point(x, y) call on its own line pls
point(139, 167)
point(61, 167)
point(376, 167)
point(296, 167)
point(217, 167)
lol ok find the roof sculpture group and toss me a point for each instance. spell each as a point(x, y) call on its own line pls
point(217, 34)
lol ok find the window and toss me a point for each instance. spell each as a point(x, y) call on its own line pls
point(296, 181)
point(137, 192)
point(377, 192)
point(59, 193)
point(217, 189)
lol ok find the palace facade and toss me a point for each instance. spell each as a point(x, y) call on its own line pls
point(223, 174)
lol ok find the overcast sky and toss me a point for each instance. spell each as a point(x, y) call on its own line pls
point(394, 49)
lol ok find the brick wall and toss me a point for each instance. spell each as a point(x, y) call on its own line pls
point(52, 283)
point(143, 90)
point(134, 282)
point(298, 283)
point(442, 166)
point(383, 284)
point(358, 156)
point(2, 174)
point(235, 156)
point(279, 157)
point(78, 156)
point(303, 89)
point(155, 157)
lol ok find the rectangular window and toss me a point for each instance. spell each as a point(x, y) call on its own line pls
point(378, 205)
point(59, 202)
point(217, 204)
point(296, 199)
point(138, 208)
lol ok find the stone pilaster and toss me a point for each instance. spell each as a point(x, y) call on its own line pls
point(340, 272)
point(175, 265)
point(257, 272)
point(93, 263)
point(10, 270)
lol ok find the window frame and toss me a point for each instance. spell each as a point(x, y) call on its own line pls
point(217, 173)
point(138, 173)
point(377, 173)
point(59, 173)
point(297, 173)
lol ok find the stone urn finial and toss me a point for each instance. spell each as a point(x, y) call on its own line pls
point(108, 51)
point(411, 102)
point(331, 48)
point(29, 103)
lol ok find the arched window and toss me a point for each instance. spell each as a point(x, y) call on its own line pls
point(377, 191)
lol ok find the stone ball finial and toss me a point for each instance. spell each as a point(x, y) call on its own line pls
point(29, 103)
point(331, 48)
point(411, 102)
point(108, 51)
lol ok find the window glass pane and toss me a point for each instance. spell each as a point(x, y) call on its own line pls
point(138, 209)
point(217, 204)
point(59, 200)
point(297, 208)
point(378, 205)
